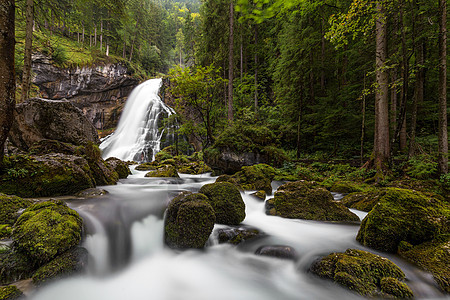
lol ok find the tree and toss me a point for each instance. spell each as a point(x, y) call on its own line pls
point(442, 129)
point(26, 79)
point(230, 64)
point(7, 73)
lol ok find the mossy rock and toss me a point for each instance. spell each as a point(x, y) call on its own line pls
point(237, 236)
point(256, 177)
point(226, 200)
point(345, 187)
point(163, 171)
point(118, 166)
point(46, 230)
point(169, 161)
point(230, 179)
point(148, 166)
point(70, 262)
point(260, 195)
point(194, 168)
point(189, 221)
point(403, 215)
point(10, 206)
point(363, 272)
point(15, 266)
point(5, 231)
point(364, 201)
point(432, 256)
point(166, 153)
point(307, 200)
point(45, 175)
point(10, 292)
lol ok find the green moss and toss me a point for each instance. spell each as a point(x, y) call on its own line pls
point(148, 166)
point(364, 201)
point(9, 208)
point(362, 272)
point(5, 231)
point(189, 221)
point(432, 256)
point(68, 263)
point(345, 187)
point(260, 194)
point(10, 292)
point(47, 229)
point(163, 171)
point(166, 153)
point(169, 161)
point(307, 200)
point(403, 215)
point(14, 266)
point(256, 177)
point(226, 200)
point(393, 286)
point(118, 166)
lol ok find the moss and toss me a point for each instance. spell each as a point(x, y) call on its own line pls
point(163, 171)
point(307, 200)
point(194, 168)
point(9, 208)
point(260, 195)
point(256, 177)
point(226, 200)
point(393, 286)
point(5, 231)
point(169, 161)
point(166, 153)
point(189, 221)
point(230, 179)
point(10, 292)
point(15, 266)
point(432, 256)
point(47, 229)
point(362, 272)
point(68, 263)
point(118, 166)
point(345, 187)
point(148, 166)
point(236, 236)
point(364, 201)
point(403, 215)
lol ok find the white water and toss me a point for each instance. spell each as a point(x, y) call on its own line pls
point(148, 270)
point(137, 136)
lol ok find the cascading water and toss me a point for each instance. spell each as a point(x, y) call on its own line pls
point(138, 135)
point(125, 236)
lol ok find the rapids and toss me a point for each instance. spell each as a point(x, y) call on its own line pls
point(124, 236)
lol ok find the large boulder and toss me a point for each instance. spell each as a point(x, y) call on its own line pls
point(37, 119)
point(307, 200)
point(403, 215)
point(11, 207)
point(15, 266)
point(256, 177)
point(363, 272)
point(46, 230)
point(121, 167)
point(278, 251)
point(163, 171)
point(236, 236)
point(364, 201)
point(189, 221)
point(226, 200)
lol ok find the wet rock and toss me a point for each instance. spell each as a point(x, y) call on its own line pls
point(15, 266)
point(46, 230)
point(403, 215)
point(70, 262)
point(364, 201)
point(91, 193)
point(278, 251)
point(189, 221)
point(11, 207)
point(364, 273)
point(226, 200)
point(256, 177)
point(306, 200)
point(345, 187)
point(236, 236)
point(163, 171)
point(119, 166)
point(148, 166)
point(260, 195)
point(10, 292)
point(38, 119)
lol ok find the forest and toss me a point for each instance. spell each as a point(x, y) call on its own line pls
point(224, 149)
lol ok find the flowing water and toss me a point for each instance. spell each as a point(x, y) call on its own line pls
point(124, 235)
point(140, 129)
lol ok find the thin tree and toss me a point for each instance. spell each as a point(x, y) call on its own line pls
point(26, 79)
point(7, 74)
point(442, 130)
point(230, 64)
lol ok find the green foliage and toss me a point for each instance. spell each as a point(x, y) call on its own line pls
point(10, 292)
point(422, 167)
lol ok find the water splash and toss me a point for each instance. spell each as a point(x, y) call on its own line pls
point(138, 135)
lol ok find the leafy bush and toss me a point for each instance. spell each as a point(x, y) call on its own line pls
point(422, 167)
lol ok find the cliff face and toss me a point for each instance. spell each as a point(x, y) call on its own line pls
point(99, 91)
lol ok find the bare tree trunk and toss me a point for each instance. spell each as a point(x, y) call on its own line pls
point(393, 121)
point(230, 64)
point(7, 73)
point(26, 79)
point(442, 130)
point(322, 58)
point(256, 70)
point(95, 35)
point(83, 34)
point(101, 35)
point(363, 123)
point(381, 141)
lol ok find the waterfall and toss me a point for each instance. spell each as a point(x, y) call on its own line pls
point(138, 135)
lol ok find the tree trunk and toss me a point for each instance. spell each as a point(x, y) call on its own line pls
point(7, 73)
point(381, 140)
point(26, 79)
point(134, 39)
point(322, 58)
point(363, 123)
point(230, 64)
point(95, 35)
point(442, 130)
point(393, 121)
point(101, 35)
point(256, 70)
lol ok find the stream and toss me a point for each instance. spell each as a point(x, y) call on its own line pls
point(128, 260)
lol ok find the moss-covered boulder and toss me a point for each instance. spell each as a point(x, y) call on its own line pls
point(364, 201)
point(15, 266)
point(118, 166)
point(166, 153)
point(189, 221)
point(261, 195)
point(256, 177)
point(70, 262)
point(46, 230)
point(148, 166)
point(226, 200)
point(307, 200)
point(345, 187)
point(194, 168)
point(10, 208)
point(403, 215)
point(230, 179)
point(163, 171)
point(5, 231)
point(363, 272)
point(237, 236)
point(10, 292)
point(432, 256)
